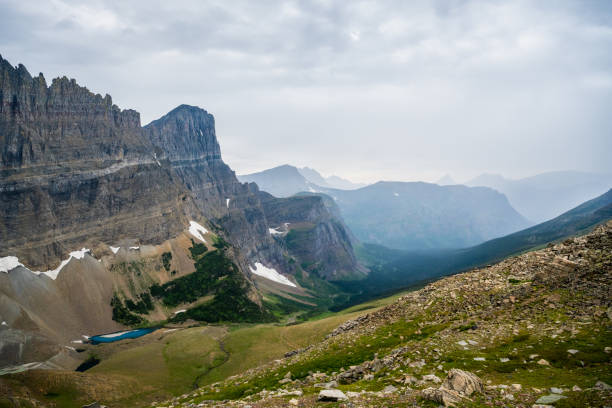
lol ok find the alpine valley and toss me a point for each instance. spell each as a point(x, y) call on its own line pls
point(137, 269)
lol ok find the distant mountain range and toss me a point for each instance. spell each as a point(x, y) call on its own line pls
point(332, 181)
point(420, 215)
point(547, 195)
point(286, 180)
point(405, 215)
point(392, 269)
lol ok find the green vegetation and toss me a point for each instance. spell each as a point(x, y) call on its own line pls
point(143, 306)
point(122, 315)
point(197, 249)
point(166, 259)
point(215, 275)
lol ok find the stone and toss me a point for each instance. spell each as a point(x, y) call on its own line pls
point(332, 395)
point(288, 375)
point(576, 388)
point(389, 389)
point(504, 359)
point(600, 385)
point(463, 382)
point(432, 377)
point(449, 398)
point(556, 390)
point(516, 387)
point(368, 377)
point(549, 399)
point(479, 359)
point(293, 402)
point(462, 343)
point(543, 362)
point(94, 405)
point(573, 351)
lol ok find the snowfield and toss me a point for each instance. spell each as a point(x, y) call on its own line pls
point(271, 274)
point(275, 231)
point(110, 336)
point(11, 262)
point(195, 229)
point(8, 263)
point(114, 249)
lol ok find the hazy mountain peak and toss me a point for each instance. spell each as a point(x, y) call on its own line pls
point(446, 180)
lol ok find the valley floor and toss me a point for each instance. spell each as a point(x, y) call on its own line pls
point(170, 361)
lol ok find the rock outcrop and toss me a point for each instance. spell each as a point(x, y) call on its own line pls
point(76, 170)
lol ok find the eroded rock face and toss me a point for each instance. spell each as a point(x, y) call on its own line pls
point(76, 168)
point(186, 138)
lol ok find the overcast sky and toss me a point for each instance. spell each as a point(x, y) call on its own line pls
point(394, 90)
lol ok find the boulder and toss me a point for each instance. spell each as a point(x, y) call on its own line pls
point(549, 399)
point(332, 395)
point(463, 382)
point(449, 398)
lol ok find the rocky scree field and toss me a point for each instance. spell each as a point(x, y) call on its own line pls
point(531, 331)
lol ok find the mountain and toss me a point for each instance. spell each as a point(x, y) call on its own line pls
point(281, 181)
point(405, 215)
point(130, 224)
point(422, 215)
point(545, 196)
point(332, 181)
point(286, 180)
point(446, 180)
point(416, 266)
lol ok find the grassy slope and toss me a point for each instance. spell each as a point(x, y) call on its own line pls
point(165, 364)
point(525, 309)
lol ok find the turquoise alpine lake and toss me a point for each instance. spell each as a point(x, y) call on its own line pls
point(111, 337)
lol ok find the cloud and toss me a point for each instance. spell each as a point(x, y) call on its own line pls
point(370, 89)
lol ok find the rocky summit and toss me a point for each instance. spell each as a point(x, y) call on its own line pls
point(531, 331)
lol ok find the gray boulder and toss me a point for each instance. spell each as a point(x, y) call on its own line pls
point(332, 395)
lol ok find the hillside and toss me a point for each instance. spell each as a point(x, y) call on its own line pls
point(533, 329)
point(544, 196)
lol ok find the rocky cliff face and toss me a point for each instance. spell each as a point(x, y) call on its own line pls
point(186, 138)
point(76, 171)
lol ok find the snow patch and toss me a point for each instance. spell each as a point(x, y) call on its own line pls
point(114, 249)
point(135, 248)
point(77, 341)
point(11, 262)
point(195, 229)
point(275, 231)
point(396, 194)
point(271, 274)
point(112, 335)
point(227, 200)
point(4, 323)
point(180, 311)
